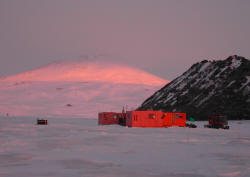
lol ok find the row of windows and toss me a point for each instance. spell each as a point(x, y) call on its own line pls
point(135, 117)
point(152, 116)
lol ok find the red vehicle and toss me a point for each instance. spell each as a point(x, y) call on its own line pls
point(217, 121)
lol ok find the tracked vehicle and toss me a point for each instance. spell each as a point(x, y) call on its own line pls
point(217, 121)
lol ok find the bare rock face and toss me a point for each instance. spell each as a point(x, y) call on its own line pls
point(207, 88)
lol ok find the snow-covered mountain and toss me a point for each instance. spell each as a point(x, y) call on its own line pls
point(75, 89)
point(208, 87)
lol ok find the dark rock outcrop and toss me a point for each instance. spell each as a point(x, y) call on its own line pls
point(208, 87)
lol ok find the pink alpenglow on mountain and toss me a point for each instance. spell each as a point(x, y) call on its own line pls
point(76, 89)
point(79, 71)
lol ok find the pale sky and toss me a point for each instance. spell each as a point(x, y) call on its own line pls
point(163, 37)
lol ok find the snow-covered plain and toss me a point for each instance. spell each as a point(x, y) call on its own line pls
point(79, 147)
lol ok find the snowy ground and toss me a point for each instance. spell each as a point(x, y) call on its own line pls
point(79, 147)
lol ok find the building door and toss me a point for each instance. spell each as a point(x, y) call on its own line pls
point(165, 120)
point(173, 118)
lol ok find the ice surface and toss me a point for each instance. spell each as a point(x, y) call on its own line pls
point(79, 147)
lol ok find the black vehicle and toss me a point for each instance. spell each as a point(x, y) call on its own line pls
point(42, 122)
point(191, 125)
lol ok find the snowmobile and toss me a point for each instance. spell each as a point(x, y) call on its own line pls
point(191, 125)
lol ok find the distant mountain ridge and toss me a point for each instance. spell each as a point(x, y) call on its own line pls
point(207, 88)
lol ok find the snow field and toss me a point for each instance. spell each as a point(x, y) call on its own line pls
point(79, 147)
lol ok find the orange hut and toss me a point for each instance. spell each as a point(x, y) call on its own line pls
point(108, 118)
point(155, 119)
point(143, 119)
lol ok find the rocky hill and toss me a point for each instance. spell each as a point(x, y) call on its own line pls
point(208, 87)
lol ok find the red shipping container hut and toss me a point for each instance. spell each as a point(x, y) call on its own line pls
point(155, 119)
point(108, 118)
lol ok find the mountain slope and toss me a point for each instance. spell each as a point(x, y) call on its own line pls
point(84, 71)
point(208, 87)
point(75, 89)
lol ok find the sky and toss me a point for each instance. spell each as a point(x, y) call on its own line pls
point(162, 37)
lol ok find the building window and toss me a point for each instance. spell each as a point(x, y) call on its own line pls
point(151, 116)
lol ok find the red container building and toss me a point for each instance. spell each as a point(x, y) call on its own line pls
point(155, 119)
point(108, 118)
point(143, 119)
